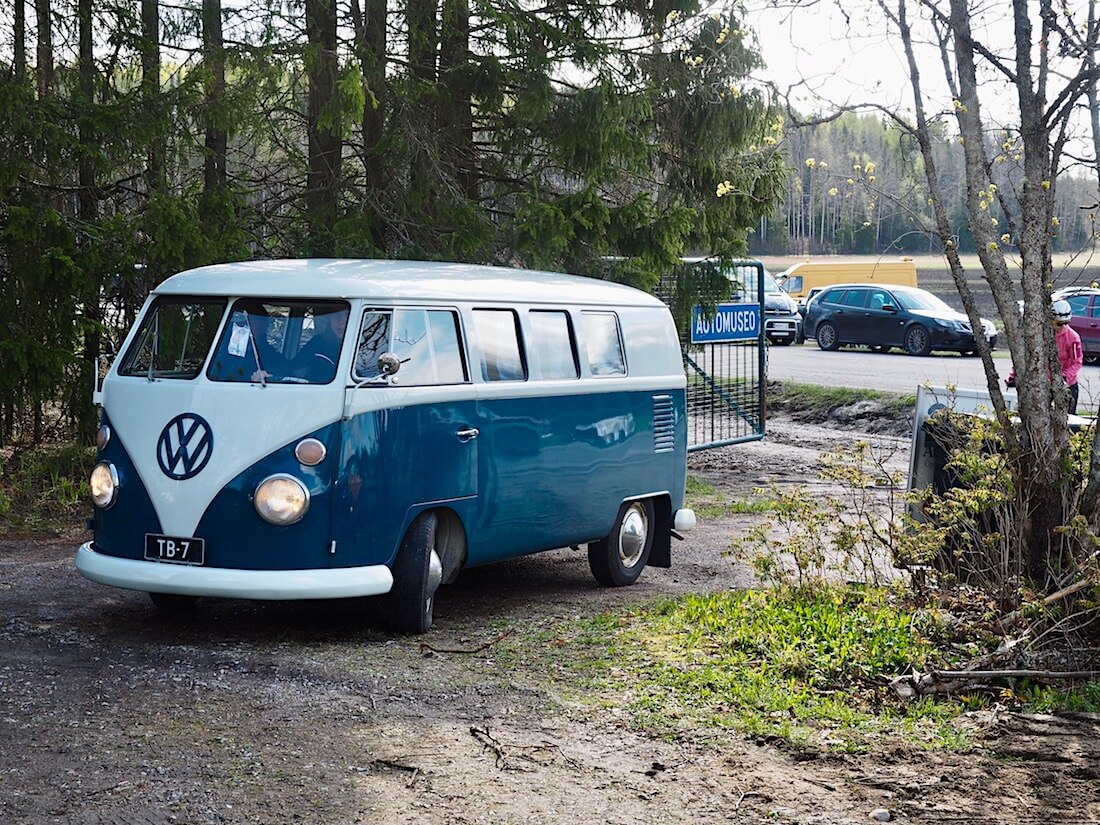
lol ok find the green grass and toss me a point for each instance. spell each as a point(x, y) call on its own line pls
point(812, 400)
point(802, 666)
point(707, 502)
point(44, 489)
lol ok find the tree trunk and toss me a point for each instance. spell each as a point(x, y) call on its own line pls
point(88, 208)
point(324, 123)
point(422, 67)
point(456, 107)
point(19, 59)
point(150, 93)
point(45, 48)
point(370, 48)
point(213, 52)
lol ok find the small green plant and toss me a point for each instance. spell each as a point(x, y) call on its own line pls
point(44, 489)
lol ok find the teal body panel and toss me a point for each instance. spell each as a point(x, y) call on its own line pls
point(395, 463)
point(544, 472)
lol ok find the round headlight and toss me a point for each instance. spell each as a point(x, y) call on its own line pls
point(102, 437)
point(310, 452)
point(104, 484)
point(281, 500)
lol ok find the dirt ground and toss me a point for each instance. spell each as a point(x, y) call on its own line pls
point(300, 712)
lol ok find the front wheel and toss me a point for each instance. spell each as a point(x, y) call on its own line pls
point(618, 560)
point(826, 336)
point(417, 574)
point(918, 341)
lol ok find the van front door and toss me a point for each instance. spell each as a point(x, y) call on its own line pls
point(410, 435)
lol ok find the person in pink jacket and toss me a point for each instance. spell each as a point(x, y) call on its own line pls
point(1070, 354)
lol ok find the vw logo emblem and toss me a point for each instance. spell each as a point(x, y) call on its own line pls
point(184, 446)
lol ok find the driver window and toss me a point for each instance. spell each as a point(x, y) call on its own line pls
point(426, 342)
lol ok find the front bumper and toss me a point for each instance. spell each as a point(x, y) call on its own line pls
point(158, 577)
point(783, 328)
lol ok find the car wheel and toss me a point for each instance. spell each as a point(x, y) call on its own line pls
point(417, 574)
point(826, 336)
point(618, 560)
point(917, 340)
point(173, 603)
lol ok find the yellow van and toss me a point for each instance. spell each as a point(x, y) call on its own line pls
point(803, 279)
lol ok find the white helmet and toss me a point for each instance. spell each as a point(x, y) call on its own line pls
point(1060, 311)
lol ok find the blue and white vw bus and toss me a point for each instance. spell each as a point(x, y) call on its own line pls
point(311, 429)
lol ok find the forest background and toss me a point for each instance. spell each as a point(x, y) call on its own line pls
point(137, 140)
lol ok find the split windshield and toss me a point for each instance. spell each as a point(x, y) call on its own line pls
point(282, 342)
point(174, 338)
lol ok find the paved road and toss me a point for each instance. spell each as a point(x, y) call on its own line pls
point(896, 371)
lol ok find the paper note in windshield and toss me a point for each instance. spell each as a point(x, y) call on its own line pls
point(238, 341)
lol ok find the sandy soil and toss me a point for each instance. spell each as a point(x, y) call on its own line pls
point(300, 712)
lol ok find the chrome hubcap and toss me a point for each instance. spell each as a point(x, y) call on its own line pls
point(632, 535)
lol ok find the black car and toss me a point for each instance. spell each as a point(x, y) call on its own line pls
point(884, 317)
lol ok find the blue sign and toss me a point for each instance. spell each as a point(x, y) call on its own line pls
point(731, 322)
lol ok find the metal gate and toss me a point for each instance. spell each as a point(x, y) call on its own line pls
point(725, 378)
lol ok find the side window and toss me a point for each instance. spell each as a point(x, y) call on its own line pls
point(603, 344)
point(793, 284)
point(1095, 312)
point(1079, 304)
point(425, 341)
point(499, 341)
point(856, 298)
point(879, 299)
point(833, 296)
point(553, 348)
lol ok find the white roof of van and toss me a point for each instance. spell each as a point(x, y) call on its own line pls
point(405, 281)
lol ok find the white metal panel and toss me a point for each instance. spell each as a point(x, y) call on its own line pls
point(400, 281)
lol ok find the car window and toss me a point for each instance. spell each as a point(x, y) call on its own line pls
point(919, 299)
point(855, 298)
point(426, 342)
point(1079, 304)
point(603, 343)
point(553, 348)
point(1095, 310)
point(174, 338)
point(499, 341)
point(295, 342)
point(833, 296)
point(879, 299)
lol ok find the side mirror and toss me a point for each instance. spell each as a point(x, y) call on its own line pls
point(388, 363)
point(889, 308)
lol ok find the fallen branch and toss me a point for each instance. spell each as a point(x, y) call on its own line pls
point(478, 649)
point(953, 681)
point(1010, 618)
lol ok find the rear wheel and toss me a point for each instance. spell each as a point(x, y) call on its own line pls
point(918, 341)
point(417, 574)
point(173, 602)
point(618, 560)
point(826, 336)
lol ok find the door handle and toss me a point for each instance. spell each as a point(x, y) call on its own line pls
point(468, 434)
